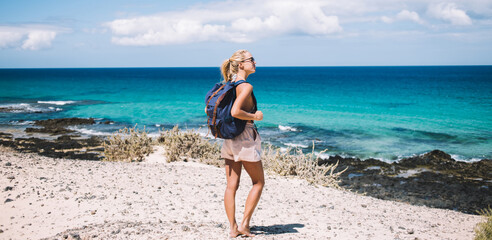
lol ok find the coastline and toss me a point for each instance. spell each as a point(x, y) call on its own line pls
point(53, 198)
point(433, 179)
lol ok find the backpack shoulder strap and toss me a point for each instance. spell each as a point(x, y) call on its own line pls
point(239, 82)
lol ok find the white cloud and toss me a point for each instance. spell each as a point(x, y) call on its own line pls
point(231, 21)
point(27, 37)
point(404, 15)
point(253, 20)
point(449, 12)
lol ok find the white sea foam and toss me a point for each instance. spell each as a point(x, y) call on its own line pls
point(22, 123)
point(460, 158)
point(287, 128)
point(23, 107)
point(89, 132)
point(60, 103)
point(55, 109)
point(296, 145)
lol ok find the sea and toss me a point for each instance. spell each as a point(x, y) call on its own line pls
point(386, 113)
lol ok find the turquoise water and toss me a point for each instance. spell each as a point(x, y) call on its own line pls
point(381, 112)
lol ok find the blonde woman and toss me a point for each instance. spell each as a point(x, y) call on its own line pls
point(245, 149)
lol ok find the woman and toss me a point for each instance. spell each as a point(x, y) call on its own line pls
point(245, 149)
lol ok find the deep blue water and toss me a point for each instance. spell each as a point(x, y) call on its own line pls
point(380, 112)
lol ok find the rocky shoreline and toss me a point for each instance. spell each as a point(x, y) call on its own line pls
point(433, 179)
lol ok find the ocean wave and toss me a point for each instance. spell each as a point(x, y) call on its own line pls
point(463, 159)
point(23, 108)
point(89, 132)
point(287, 128)
point(60, 103)
point(296, 145)
point(22, 123)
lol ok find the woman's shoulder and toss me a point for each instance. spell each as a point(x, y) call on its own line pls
point(245, 85)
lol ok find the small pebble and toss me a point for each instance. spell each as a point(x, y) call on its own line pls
point(185, 228)
point(8, 164)
point(8, 200)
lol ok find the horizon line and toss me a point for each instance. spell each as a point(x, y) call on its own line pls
point(450, 65)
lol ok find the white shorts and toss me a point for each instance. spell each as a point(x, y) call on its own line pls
point(245, 147)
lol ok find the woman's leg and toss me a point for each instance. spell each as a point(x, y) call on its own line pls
point(255, 171)
point(233, 174)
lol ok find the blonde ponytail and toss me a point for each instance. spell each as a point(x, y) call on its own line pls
point(230, 66)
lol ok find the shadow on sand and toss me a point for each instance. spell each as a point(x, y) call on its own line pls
point(276, 229)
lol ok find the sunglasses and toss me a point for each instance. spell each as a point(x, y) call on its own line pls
point(252, 59)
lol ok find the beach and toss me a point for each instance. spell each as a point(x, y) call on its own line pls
point(50, 198)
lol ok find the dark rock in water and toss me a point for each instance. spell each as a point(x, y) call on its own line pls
point(64, 122)
point(57, 126)
point(49, 130)
point(435, 159)
point(433, 179)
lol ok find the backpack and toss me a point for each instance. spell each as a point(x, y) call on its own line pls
point(219, 102)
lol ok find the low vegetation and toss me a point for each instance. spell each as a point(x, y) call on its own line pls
point(182, 145)
point(483, 230)
point(293, 162)
point(128, 145)
point(133, 145)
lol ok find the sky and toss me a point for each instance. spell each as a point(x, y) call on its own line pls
point(143, 33)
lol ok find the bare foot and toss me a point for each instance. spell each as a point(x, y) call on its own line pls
point(245, 231)
point(234, 232)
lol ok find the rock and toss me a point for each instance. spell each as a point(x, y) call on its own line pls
point(75, 236)
point(219, 225)
point(64, 122)
point(185, 228)
point(10, 177)
point(8, 188)
point(8, 164)
point(436, 159)
point(410, 231)
point(8, 200)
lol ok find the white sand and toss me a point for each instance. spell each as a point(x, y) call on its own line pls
point(159, 200)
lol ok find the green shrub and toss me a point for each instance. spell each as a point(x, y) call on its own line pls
point(293, 162)
point(128, 145)
point(189, 144)
point(483, 230)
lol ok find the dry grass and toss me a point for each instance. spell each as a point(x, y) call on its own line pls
point(293, 162)
point(483, 230)
point(128, 145)
point(181, 145)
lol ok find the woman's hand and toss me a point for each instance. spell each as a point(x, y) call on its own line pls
point(258, 116)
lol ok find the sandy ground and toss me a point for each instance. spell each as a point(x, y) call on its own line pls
point(42, 197)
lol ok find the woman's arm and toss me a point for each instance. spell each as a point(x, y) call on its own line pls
point(243, 92)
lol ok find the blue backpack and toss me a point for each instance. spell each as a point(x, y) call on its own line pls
point(219, 102)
